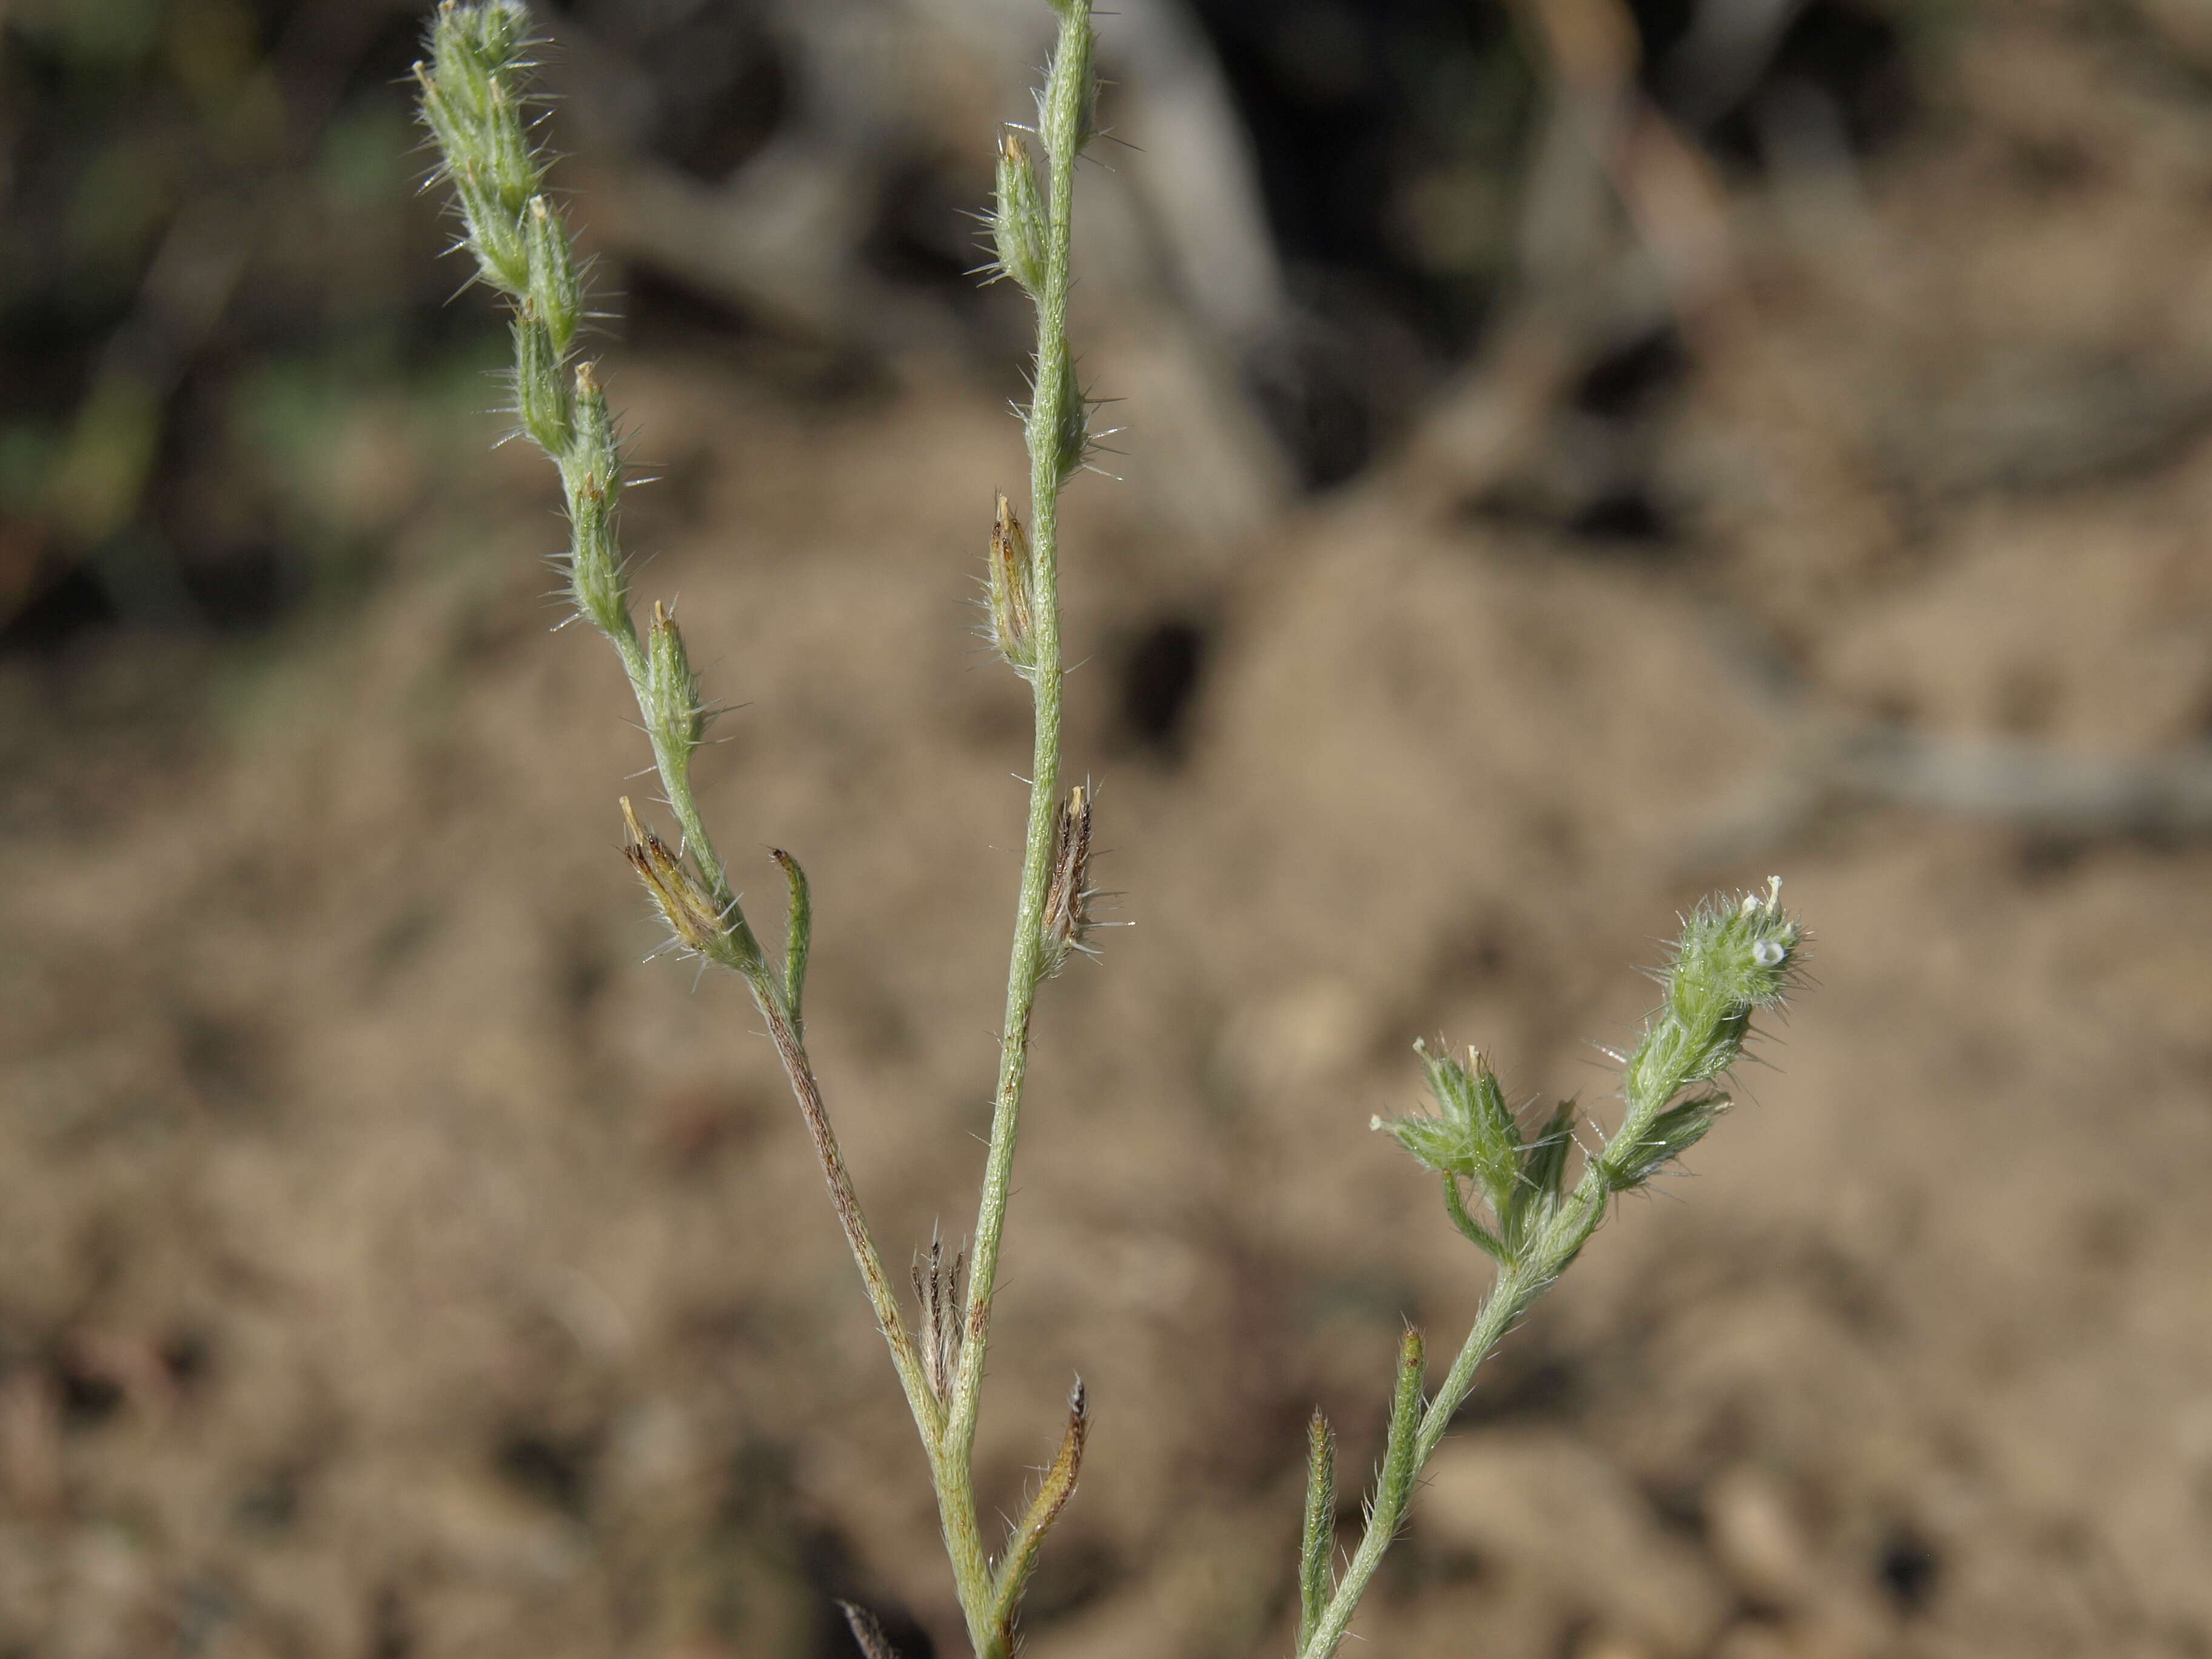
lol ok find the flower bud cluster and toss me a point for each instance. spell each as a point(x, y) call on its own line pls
point(1476, 1137)
point(474, 96)
point(473, 89)
point(470, 103)
point(1734, 957)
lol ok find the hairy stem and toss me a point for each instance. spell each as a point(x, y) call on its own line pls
point(1516, 1286)
point(1026, 965)
point(1064, 113)
point(1732, 959)
point(881, 1297)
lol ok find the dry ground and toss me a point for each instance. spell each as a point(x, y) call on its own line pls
point(391, 1265)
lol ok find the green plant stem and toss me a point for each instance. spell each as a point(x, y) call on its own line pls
point(987, 1617)
point(949, 1474)
point(740, 949)
point(675, 771)
point(1026, 965)
point(1518, 1285)
point(777, 1005)
point(792, 1052)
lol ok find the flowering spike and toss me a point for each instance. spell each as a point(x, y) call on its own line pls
point(1734, 957)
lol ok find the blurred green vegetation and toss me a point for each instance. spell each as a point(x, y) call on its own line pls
point(231, 368)
point(220, 321)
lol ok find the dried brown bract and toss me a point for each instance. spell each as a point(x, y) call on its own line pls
point(691, 915)
point(1067, 903)
point(937, 1294)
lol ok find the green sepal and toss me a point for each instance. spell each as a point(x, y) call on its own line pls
point(1061, 433)
point(1672, 1133)
point(496, 237)
point(1475, 1136)
point(479, 40)
point(1017, 217)
point(435, 102)
point(1543, 1174)
point(511, 166)
point(1393, 1483)
point(671, 692)
point(591, 471)
point(1456, 1207)
point(556, 291)
point(1066, 122)
point(541, 387)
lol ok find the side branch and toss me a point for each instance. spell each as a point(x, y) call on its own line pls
point(913, 1377)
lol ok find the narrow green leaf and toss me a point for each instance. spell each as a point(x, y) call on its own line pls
point(1058, 1485)
point(1395, 1485)
point(1474, 1104)
point(1316, 1580)
point(798, 937)
point(541, 387)
point(1673, 1132)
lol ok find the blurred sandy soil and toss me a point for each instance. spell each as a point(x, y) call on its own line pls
point(391, 1265)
